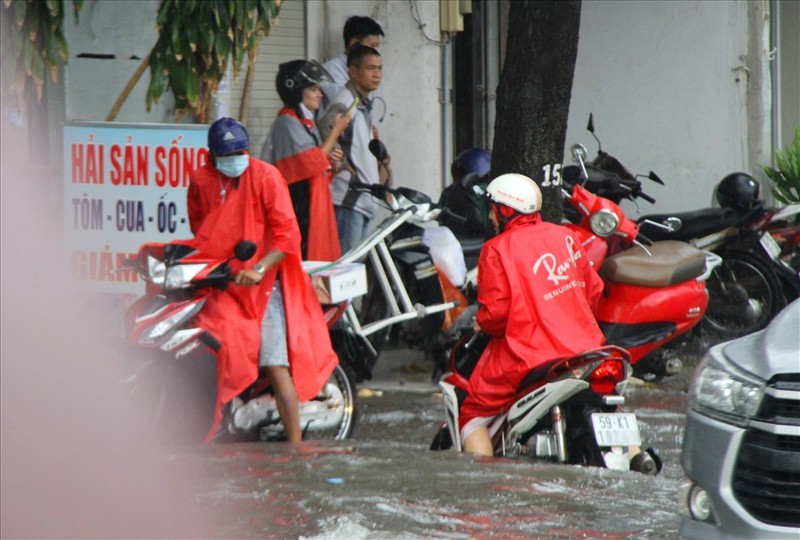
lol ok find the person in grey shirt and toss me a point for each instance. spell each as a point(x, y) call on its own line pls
point(354, 209)
point(357, 30)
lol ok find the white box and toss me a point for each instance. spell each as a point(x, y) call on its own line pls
point(337, 282)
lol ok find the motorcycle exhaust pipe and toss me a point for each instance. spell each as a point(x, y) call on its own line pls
point(559, 429)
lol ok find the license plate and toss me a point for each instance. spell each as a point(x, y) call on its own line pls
point(772, 247)
point(616, 429)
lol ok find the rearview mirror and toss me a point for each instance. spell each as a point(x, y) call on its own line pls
point(416, 197)
point(378, 149)
point(578, 153)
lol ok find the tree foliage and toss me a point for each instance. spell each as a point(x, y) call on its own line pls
point(32, 33)
point(534, 93)
point(786, 178)
point(197, 38)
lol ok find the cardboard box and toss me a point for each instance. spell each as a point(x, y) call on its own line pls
point(337, 283)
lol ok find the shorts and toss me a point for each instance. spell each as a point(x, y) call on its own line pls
point(273, 332)
point(477, 421)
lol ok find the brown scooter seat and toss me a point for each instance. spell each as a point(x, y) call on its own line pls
point(668, 263)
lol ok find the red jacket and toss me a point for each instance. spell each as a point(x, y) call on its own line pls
point(308, 163)
point(536, 291)
point(258, 209)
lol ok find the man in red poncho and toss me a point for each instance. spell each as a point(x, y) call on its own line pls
point(232, 198)
point(536, 291)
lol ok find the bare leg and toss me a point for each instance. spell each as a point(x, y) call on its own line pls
point(479, 442)
point(286, 400)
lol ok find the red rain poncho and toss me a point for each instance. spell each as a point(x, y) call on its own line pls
point(295, 153)
point(258, 209)
point(536, 292)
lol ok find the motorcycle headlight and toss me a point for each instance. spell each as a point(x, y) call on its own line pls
point(180, 276)
point(722, 391)
point(604, 222)
point(156, 270)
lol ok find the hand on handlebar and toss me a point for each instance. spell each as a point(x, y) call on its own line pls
point(248, 277)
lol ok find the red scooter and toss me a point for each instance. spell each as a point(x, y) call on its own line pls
point(174, 368)
point(653, 294)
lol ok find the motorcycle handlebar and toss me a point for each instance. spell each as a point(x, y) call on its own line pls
point(646, 197)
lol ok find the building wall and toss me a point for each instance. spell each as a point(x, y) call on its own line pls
point(668, 87)
point(667, 82)
point(411, 120)
point(126, 30)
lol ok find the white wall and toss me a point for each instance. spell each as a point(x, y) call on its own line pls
point(124, 28)
point(659, 77)
point(411, 128)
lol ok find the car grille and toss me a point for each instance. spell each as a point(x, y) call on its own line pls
point(766, 479)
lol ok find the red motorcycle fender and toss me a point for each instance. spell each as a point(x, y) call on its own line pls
point(684, 304)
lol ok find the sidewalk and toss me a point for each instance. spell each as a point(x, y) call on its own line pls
point(402, 370)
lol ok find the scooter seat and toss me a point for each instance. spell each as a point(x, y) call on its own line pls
point(669, 262)
point(694, 224)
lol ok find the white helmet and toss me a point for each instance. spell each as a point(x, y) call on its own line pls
point(516, 191)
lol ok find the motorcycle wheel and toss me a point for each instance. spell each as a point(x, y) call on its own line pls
point(583, 450)
point(339, 392)
point(743, 296)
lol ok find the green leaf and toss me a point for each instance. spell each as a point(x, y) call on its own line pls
point(77, 5)
point(786, 178)
point(54, 8)
point(61, 44)
point(192, 87)
point(27, 57)
point(20, 9)
point(164, 13)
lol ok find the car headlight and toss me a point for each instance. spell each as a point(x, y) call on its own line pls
point(604, 222)
point(181, 275)
point(724, 392)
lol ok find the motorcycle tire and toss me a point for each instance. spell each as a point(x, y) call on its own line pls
point(342, 379)
point(744, 294)
point(337, 394)
point(442, 440)
point(583, 450)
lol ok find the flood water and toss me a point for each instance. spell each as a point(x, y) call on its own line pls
point(385, 483)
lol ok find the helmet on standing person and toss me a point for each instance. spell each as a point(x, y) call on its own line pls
point(474, 160)
point(737, 191)
point(515, 191)
point(227, 136)
point(296, 75)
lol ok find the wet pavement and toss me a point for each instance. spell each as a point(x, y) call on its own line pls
point(385, 483)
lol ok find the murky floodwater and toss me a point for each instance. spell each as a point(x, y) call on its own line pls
point(385, 483)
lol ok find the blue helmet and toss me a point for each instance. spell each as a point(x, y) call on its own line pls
point(227, 136)
point(475, 160)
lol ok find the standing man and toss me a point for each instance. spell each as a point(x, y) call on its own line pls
point(357, 31)
point(271, 317)
point(354, 209)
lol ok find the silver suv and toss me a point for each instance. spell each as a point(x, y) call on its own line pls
point(741, 446)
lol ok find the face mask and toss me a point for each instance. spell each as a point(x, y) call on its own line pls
point(233, 166)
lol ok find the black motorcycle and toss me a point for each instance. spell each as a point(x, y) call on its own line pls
point(752, 284)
